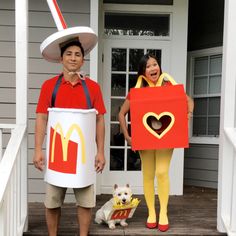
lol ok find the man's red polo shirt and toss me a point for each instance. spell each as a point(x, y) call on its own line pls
point(70, 96)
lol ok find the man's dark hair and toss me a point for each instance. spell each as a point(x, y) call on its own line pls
point(70, 43)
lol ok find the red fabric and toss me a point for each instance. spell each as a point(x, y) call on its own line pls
point(165, 104)
point(70, 96)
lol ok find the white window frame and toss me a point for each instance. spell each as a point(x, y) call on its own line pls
point(145, 9)
point(191, 56)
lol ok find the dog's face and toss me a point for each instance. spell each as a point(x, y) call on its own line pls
point(122, 195)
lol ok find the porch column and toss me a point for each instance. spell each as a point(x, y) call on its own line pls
point(21, 44)
point(93, 65)
point(21, 51)
point(94, 9)
point(226, 212)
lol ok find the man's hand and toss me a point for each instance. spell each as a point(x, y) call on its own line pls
point(39, 160)
point(40, 129)
point(99, 162)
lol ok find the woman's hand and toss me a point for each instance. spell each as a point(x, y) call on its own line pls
point(190, 108)
point(190, 115)
point(128, 139)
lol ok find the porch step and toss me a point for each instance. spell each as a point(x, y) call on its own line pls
point(194, 213)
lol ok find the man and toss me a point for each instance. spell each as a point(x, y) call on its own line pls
point(70, 94)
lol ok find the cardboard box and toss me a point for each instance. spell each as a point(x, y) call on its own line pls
point(159, 117)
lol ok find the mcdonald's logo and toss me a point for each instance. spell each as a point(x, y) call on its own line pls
point(120, 214)
point(63, 151)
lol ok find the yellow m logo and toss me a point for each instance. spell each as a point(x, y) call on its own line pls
point(65, 140)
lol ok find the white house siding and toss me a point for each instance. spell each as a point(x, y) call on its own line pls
point(41, 25)
point(205, 30)
point(7, 66)
point(201, 165)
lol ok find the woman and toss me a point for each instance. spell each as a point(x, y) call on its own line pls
point(155, 163)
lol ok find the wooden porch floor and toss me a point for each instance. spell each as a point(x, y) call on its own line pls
point(194, 213)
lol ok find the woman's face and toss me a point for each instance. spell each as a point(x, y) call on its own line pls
point(153, 70)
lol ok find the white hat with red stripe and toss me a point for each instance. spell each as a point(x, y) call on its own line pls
point(51, 46)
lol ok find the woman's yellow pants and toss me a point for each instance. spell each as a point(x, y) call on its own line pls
point(156, 163)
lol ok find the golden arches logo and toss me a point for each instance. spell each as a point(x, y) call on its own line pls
point(65, 140)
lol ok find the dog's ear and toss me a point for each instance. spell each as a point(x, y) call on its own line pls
point(115, 186)
point(127, 185)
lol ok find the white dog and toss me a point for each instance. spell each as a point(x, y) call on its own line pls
point(122, 196)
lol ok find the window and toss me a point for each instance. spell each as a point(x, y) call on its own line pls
point(146, 2)
point(206, 89)
point(124, 66)
point(139, 24)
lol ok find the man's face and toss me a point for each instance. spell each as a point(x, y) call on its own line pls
point(72, 59)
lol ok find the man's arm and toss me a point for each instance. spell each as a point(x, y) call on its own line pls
point(100, 137)
point(40, 130)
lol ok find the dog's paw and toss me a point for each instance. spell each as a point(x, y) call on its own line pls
point(123, 223)
point(98, 221)
point(111, 226)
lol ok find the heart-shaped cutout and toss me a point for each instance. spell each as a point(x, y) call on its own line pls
point(158, 125)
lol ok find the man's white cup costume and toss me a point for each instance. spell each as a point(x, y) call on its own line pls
point(71, 146)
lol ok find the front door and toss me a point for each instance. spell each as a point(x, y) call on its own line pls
point(121, 59)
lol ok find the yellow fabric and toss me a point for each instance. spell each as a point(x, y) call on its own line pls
point(119, 206)
point(167, 76)
point(140, 79)
point(155, 163)
point(163, 76)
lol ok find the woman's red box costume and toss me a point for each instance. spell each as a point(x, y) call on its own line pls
point(165, 106)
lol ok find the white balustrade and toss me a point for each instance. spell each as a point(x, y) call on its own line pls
point(13, 191)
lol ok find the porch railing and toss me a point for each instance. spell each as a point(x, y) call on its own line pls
point(13, 182)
